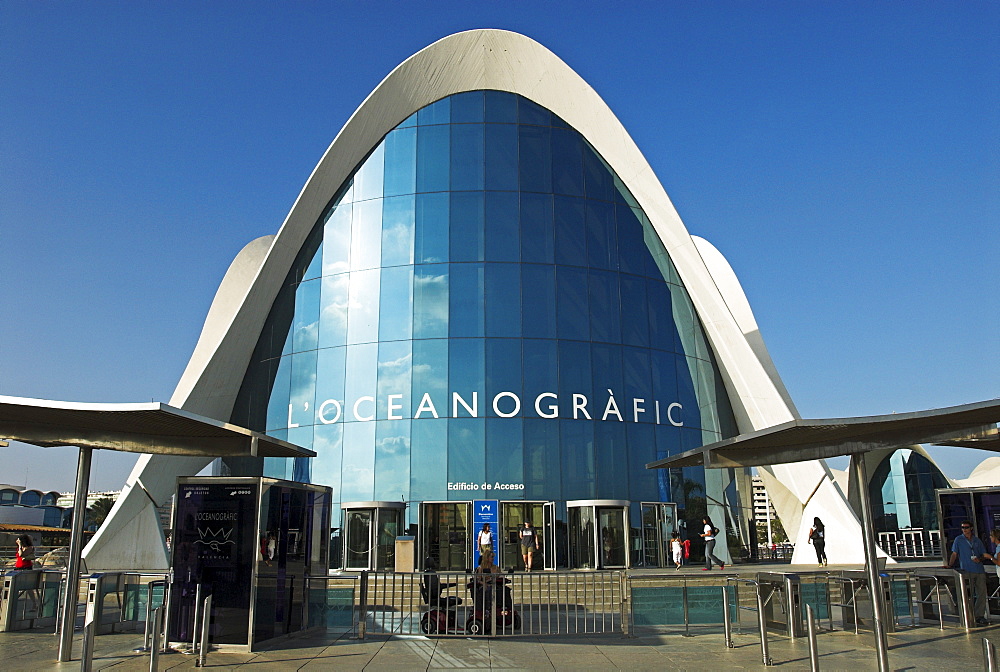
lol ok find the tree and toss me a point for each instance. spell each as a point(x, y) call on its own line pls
point(99, 511)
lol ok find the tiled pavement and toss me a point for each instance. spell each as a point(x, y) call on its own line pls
point(921, 648)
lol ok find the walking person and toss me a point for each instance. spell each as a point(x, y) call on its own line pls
point(970, 551)
point(485, 540)
point(25, 559)
point(676, 549)
point(529, 544)
point(817, 537)
point(709, 536)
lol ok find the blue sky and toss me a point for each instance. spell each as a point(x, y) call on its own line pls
point(844, 157)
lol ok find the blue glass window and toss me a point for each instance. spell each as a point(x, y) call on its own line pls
point(502, 234)
point(431, 228)
point(465, 300)
point(433, 158)
point(503, 300)
point(467, 241)
point(398, 214)
point(401, 162)
point(501, 107)
point(501, 157)
point(467, 166)
point(467, 108)
point(537, 240)
point(538, 301)
point(534, 146)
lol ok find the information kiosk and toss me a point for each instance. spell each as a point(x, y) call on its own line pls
point(251, 544)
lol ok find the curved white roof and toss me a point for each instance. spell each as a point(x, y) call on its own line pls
point(474, 60)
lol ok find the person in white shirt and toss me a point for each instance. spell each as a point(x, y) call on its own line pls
point(676, 549)
point(709, 536)
point(485, 540)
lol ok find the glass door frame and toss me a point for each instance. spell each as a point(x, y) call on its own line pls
point(596, 507)
point(423, 527)
point(376, 512)
point(502, 546)
point(662, 535)
point(549, 534)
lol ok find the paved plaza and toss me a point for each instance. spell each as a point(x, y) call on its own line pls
point(920, 648)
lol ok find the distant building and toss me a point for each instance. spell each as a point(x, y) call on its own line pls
point(762, 505)
point(26, 506)
point(66, 500)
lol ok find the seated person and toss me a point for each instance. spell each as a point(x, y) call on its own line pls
point(431, 587)
point(485, 580)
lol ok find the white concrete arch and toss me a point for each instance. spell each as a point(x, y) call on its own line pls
point(473, 60)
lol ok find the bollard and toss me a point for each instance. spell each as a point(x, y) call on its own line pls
point(989, 656)
point(363, 606)
point(725, 618)
point(762, 625)
point(813, 652)
point(685, 596)
point(154, 650)
point(206, 622)
point(196, 619)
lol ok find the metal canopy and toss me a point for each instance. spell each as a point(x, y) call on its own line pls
point(970, 425)
point(801, 440)
point(134, 428)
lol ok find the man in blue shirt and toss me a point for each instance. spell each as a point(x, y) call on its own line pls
point(970, 551)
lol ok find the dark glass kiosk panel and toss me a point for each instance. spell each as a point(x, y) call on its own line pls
point(252, 544)
point(979, 505)
point(213, 546)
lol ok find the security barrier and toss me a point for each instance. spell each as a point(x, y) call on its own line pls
point(29, 599)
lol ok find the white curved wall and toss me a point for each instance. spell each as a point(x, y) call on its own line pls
point(473, 60)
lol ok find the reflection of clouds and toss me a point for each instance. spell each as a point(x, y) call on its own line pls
point(328, 440)
point(337, 241)
point(463, 435)
point(397, 242)
point(335, 303)
point(394, 375)
point(393, 445)
point(363, 303)
point(394, 378)
point(303, 388)
point(307, 333)
point(429, 379)
point(358, 483)
point(433, 293)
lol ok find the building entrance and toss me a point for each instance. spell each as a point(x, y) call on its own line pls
point(512, 517)
point(370, 531)
point(445, 535)
point(598, 533)
point(659, 521)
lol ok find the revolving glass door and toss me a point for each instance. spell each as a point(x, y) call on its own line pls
point(370, 531)
point(598, 534)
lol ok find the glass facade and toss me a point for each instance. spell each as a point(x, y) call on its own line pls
point(902, 492)
point(483, 311)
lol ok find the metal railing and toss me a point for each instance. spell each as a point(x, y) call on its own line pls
point(462, 604)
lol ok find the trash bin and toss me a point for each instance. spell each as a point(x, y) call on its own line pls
point(406, 554)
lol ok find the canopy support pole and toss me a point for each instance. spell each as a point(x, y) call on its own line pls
point(860, 476)
point(71, 596)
